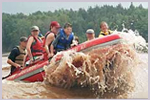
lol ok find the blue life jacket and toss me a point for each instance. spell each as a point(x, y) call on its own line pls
point(63, 42)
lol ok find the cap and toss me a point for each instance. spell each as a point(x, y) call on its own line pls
point(55, 24)
point(23, 39)
point(90, 31)
point(33, 28)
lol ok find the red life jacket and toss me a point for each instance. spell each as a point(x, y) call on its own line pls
point(37, 48)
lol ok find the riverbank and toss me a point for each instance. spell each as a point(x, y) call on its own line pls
point(5, 54)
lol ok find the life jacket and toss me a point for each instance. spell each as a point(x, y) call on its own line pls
point(63, 42)
point(37, 46)
point(19, 59)
point(105, 33)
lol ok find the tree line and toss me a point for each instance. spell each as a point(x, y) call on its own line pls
point(16, 25)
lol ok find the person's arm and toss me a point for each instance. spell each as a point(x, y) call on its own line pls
point(11, 58)
point(54, 44)
point(49, 39)
point(52, 50)
point(9, 61)
point(28, 47)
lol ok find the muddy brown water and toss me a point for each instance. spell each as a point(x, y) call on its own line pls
point(20, 90)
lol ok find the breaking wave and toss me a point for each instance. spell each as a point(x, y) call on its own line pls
point(108, 69)
point(105, 69)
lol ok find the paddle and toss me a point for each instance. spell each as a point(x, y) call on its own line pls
point(10, 74)
point(20, 68)
point(5, 77)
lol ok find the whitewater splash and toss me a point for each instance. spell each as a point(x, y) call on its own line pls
point(134, 39)
point(102, 69)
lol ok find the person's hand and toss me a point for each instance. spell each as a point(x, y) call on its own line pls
point(51, 55)
point(17, 65)
point(31, 60)
point(75, 43)
point(22, 67)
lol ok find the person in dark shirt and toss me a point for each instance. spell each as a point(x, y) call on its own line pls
point(17, 56)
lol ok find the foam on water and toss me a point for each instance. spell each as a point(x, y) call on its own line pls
point(104, 69)
point(108, 69)
point(133, 38)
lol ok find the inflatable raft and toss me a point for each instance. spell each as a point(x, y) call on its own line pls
point(35, 72)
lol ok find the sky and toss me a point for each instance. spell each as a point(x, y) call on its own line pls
point(31, 7)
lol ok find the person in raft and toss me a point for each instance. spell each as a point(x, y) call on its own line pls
point(50, 36)
point(90, 34)
point(63, 40)
point(104, 29)
point(34, 45)
point(17, 56)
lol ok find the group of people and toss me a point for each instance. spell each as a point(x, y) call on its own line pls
point(55, 40)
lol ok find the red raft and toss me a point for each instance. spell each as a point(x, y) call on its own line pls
point(35, 72)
